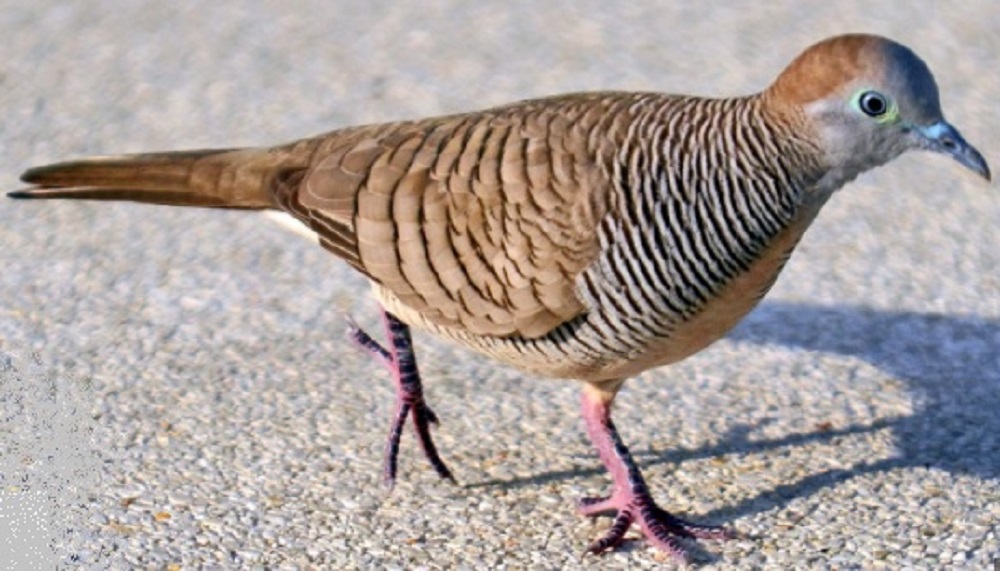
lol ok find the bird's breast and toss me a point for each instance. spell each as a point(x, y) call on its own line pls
point(723, 311)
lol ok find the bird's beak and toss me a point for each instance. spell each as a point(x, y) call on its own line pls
point(942, 138)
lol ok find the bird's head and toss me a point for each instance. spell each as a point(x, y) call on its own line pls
point(869, 99)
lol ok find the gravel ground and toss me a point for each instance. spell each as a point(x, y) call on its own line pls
point(177, 394)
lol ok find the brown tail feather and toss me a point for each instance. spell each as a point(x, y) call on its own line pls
point(211, 178)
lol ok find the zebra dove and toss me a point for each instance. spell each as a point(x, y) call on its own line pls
point(589, 236)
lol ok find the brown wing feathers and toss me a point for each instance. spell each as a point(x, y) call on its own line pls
point(490, 217)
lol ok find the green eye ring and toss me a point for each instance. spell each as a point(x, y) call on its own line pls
point(875, 105)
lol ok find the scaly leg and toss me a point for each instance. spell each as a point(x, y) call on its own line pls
point(402, 363)
point(630, 500)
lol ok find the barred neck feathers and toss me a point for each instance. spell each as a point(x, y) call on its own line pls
point(702, 187)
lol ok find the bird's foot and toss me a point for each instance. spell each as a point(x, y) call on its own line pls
point(631, 502)
point(661, 528)
point(402, 363)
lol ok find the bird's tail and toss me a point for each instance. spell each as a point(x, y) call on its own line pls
point(237, 178)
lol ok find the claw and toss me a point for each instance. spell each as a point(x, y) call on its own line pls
point(365, 342)
point(423, 417)
point(400, 360)
point(597, 506)
point(694, 530)
point(615, 535)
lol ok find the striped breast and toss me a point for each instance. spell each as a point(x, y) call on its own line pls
point(710, 198)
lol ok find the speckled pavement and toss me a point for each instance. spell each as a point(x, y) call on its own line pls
point(177, 392)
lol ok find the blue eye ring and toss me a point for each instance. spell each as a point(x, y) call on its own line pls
point(873, 104)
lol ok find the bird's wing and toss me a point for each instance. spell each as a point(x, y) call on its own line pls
point(480, 222)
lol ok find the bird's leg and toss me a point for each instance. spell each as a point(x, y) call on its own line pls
point(630, 500)
point(402, 363)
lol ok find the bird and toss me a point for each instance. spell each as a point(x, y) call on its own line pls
point(589, 236)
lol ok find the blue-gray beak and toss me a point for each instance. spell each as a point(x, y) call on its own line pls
point(942, 138)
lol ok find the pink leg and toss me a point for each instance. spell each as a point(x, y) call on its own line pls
point(630, 500)
point(402, 363)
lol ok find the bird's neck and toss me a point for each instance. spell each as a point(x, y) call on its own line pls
point(766, 160)
point(814, 149)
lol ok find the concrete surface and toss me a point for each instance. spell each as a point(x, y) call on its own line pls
point(177, 393)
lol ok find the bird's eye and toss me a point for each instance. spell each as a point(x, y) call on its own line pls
point(873, 104)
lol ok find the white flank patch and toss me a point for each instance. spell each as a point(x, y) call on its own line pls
point(289, 223)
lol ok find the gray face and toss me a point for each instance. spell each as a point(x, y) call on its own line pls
point(884, 103)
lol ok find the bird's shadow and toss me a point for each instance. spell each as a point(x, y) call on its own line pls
point(951, 365)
